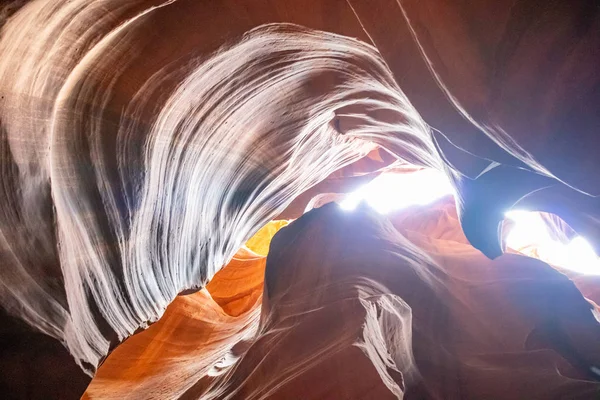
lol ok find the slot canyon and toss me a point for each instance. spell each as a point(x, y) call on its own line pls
point(300, 199)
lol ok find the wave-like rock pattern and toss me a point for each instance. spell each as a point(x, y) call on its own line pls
point(143, 142)
point(129, 207)
point(360, 306)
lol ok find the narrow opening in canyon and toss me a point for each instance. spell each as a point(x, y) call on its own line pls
point(526, 232)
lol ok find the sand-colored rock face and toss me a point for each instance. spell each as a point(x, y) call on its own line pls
point(360, 306)
point(143, 142)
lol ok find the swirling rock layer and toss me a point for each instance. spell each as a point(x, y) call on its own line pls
point(359, 306)
point(143, 142)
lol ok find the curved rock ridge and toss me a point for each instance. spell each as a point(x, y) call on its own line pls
point(360, 306)
point(143, 142)
point(130, 207)
point(195, 337)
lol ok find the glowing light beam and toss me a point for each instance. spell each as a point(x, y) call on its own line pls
point(531, 232)
point(389, 192)
point(529, 235)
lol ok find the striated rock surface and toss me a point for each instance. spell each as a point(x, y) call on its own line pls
point(143, 142)
point(135, 206)
point(361, 307)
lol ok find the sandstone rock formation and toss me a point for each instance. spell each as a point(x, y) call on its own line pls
point(142, 143)
point(359, 306)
